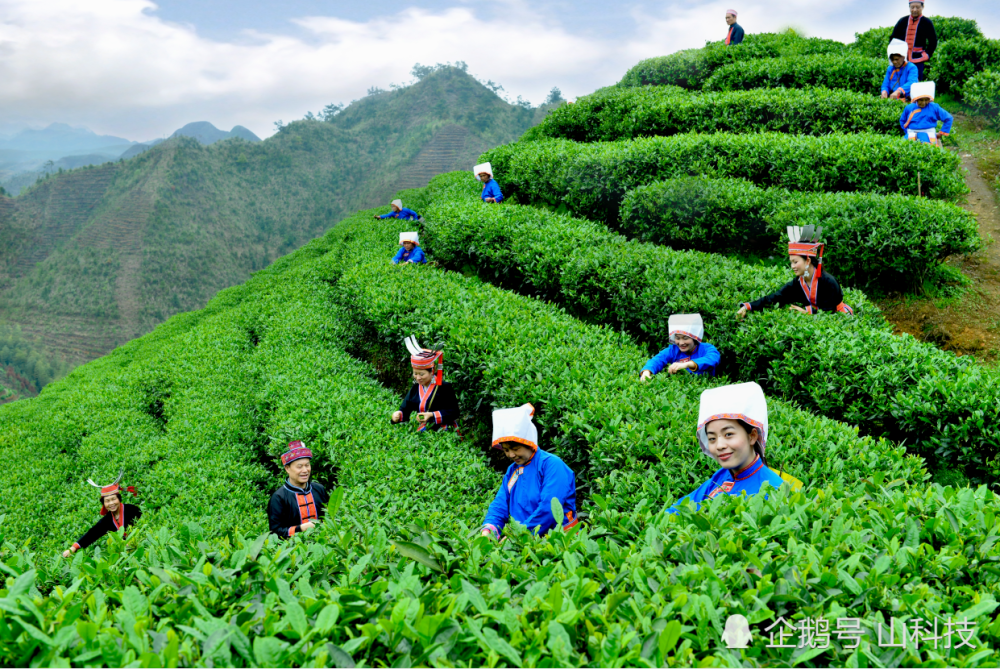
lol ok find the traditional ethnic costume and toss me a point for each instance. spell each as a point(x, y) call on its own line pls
point(122, 519)
point(920, 125)
point(527, 491)
point(920, 37)
point(403, 214)
point(744, 402)
point(491, 188)
point(404, 256)
point(437, 398)
point(821, 293)
point(290, 506)
point(897, 81)
point(704, 355)
point(735, 34)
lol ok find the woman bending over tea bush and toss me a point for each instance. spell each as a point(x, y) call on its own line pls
point(732, 430)
point(530, 484)
point(812, 289)
point(430, 397)
point(409, 249)
point(687, 351)
point(115, 515)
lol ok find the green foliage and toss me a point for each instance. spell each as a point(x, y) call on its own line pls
point(884, 241)
point(873, 43)
point(23, 365)
point(957, 60)
point(851, 369)
point(592, 179)
point(690, 68)
point(622, 113)
point(982, 93)
point(853, 73)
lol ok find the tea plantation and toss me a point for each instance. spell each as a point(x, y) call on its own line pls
point(555, 297)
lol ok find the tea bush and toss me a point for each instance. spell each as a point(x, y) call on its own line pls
point(873, 43)
point(851, 369)
point(853, 73)
point(592, 179)
point(884, 241)
point(958, 60)
point(622, 113)
point(982, 93)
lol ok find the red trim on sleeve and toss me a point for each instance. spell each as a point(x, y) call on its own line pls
point(76, 546)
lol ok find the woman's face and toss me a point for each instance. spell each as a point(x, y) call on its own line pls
point(484, 176)
point(299, 472)
point(729, 444)
point(684, 343)
point(897, 60)
point(395, 208)
point(799, 264)
point(409, 246)
point(111, 503)
point(517, 452)
point(423, 376)
point(923, 102)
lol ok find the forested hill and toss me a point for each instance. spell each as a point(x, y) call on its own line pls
point(95, 257)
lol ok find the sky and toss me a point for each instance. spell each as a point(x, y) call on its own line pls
point(141, 68)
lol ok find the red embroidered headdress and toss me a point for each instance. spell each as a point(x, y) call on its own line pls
point(804, 241)
point(425, 358)
point(296, 451)
point(111, 489)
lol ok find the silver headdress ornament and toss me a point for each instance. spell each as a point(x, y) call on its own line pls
point(412, 346)
point(102, 487)
point(808, 234)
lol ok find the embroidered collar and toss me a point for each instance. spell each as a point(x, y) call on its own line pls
point(295, 489)
point(426, 393)
point(754, 467)
point(812, 288)
point(119, 518)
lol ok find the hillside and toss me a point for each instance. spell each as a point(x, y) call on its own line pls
point(95, 257)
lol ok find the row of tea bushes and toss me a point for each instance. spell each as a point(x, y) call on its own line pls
point(848, 72)
point(883, 241)
point(621, 113)
point(592, 179)
point(851, 369)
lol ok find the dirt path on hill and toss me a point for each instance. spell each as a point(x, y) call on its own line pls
point(971, 323)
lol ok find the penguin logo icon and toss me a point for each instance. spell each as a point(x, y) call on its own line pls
point(737, 632)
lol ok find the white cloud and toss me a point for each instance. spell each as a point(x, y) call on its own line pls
point(118, 68)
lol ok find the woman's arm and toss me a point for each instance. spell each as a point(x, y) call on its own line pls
point(660, 360)
point(707, 358)
point(499, 511)
point(445, 405)
point(94, 534)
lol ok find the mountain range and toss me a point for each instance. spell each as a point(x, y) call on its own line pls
point(94, 257)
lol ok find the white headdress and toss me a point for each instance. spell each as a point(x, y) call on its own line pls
point(686, 324)
point(898, 47)
point(515, 425)
point(484, 167)
point(409, 237)
point(741, 401)
point(398, 203)
point(922, 89)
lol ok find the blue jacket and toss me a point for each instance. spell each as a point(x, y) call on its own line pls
point(404, 256)
point(403, 214)
point(925, 118)
point(903, 78)
point(492, 189)
point(705, 355)
point(526, 495)
point(736, 35)
point(723, 481)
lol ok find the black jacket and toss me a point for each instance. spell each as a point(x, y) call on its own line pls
point(107, 524)
point(926, 38)
point(442, 402)
point(737, 36)
point(828, 295)
point(291, 506)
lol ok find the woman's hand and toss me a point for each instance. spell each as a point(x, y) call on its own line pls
point(795, 307)
point(885, 94)
point(681, 366)
point(646, 375)
point(425, 417)
point(741, 313)
point(397, 416)
point(308, 525)
point(491, 199)
point(487, 533)
point(69, 551)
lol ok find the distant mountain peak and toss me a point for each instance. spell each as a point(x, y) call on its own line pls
point(206, 133)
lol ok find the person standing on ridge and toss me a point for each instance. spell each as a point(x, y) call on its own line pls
point(400, 212)
point(410, 251)
point(900, 75)
point(735, 34)
point(115, 515)
point(430, 397)
point(531, 482)
point(299, 503)
point(918, 32)
point(812, 289)
point(491, 189)
point(687, 351)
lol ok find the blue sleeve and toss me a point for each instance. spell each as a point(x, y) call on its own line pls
point(409, 215)
point(391, 214)
point(885, 80)
point(737, 35)
point(417, 256)
point(707, 358)
point(558, 481)
point(492, 189)
point(399, 256)
point(661, 359)
point(904, 115)
point(947, 118)
point(697, 496)
point(909, 78)
point(499, 511)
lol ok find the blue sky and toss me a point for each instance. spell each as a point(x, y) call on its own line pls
point(140, 69)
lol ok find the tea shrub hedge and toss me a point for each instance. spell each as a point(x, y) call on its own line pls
point(851, 369)
point(592, 179)
point(873, 43)
point(885, 241)
point(621, 113)
point(982, 93)
point(850, 72)
point(958, 60)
